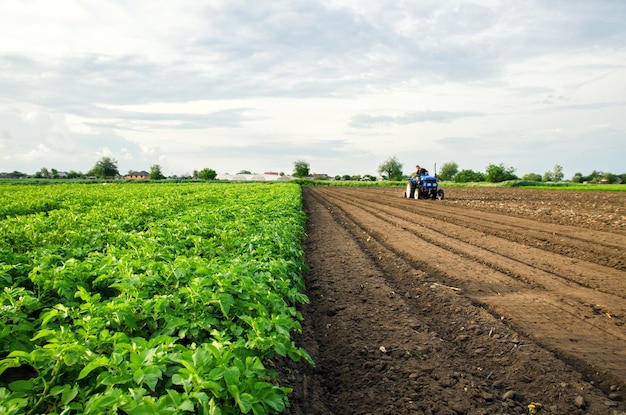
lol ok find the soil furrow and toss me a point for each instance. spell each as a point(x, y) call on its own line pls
point(399, 325)
point(446, 235)
point(480, 246)
point(603, 248)
point(463, 262)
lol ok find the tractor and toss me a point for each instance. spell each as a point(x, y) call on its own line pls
point(424, 188)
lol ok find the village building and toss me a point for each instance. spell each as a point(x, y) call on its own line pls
point(137, 175)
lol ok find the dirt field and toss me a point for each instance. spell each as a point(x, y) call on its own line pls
point(484, 303)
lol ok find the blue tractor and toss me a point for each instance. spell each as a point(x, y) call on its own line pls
point(426, 187)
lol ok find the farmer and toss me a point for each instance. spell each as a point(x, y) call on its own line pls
point(420, 171)
point(416, 180)
point(417, 176)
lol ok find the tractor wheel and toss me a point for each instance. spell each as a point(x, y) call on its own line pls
point(409, 191)
point(440, 194)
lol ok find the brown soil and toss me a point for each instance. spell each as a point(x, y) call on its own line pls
point(483, 303)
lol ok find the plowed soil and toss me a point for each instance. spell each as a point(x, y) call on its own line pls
point(491, 301)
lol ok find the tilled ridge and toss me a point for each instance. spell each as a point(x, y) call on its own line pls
point(391, 337)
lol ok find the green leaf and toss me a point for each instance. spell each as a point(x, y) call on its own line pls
point(149, 376)
point(43, 333)
point(216, 373)
point(153, 375)
point(142, 409)
point(175, 396)
point(74, 354)
point(226, 302)
point(231, 376)
point(48, 315)
point(187, 405)
point(82, 294)
point(69, 394)
point(280, 348)
point(245, 402)
point(20, 353)
point(8, 363)
point(94, 364)
point(275, 400)
point(102, 403)
point(138, 376)
point(109, 379)
point(21, 385)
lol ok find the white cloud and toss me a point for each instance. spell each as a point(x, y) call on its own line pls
point(342, 84)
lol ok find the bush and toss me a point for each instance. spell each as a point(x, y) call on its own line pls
point(532, 177)
point(499, 173)
point(466, 176)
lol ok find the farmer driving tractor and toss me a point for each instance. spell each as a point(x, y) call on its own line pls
point(422, 185)
point(416, 178)
point(419, 172)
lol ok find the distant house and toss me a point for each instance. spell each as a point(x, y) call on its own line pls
point(137, 175)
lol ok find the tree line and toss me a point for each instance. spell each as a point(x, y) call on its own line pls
point(105, 168)
point(391, 169)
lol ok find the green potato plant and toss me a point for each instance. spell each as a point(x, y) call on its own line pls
point(167, 298)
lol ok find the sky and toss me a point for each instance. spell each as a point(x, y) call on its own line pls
point(343, 85)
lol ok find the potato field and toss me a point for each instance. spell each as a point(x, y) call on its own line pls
point(148, 298)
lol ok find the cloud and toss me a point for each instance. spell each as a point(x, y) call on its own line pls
point(44, 139)
point(219, 83)
point(137, 120)
point(369, 121)
point(592, 106)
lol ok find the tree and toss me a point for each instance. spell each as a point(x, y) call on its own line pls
point(499, 173)
point(42, 174)
point(245, 172)
point(547, 176)
point(155, 173)
point(593, 177)
point(609, 178)
point(391, 169)
point(105, 167)
point(74, 174)
point(448, 170)
point(557, 173)
point(300, 169)
point(532, 177)
point(13, 175)
point(466, 176)
point(207, 174)
point(577, 177)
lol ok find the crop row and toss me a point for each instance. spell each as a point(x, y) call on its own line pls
point(140, 299)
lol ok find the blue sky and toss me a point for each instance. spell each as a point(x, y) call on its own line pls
point(241, 85)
